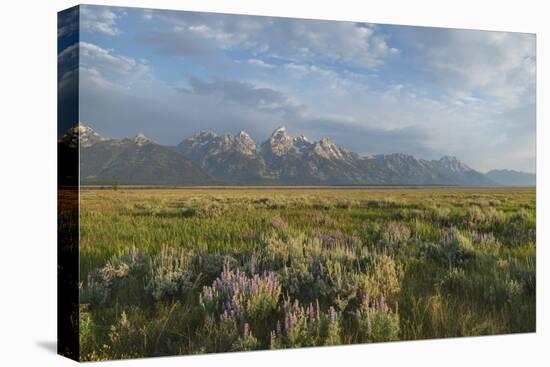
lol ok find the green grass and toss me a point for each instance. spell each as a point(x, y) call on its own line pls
point(353, 266)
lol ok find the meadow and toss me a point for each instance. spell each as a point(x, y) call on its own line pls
point(202, 270)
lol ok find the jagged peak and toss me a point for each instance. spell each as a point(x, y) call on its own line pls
point(449, 158)
point(302, 138)
point(327, 144)
point(83, 135)
point(452, 163)
point(326, 148)
point(243, 135)
point(398, 156)
point(280, 133)
point(326, 141)
point(245, 143)
point(207, 134)
point(140, 139)
point(279, 143)
point(83, 127)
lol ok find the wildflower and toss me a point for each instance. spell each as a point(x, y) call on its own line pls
point(332, 314)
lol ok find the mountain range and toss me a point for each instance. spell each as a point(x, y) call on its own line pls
point(210, 159)
point(512, 178)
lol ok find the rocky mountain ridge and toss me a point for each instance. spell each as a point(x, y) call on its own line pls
point(208, 158)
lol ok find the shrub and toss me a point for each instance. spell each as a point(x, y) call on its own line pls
point(383, 278)
point(277, 222)
point(170, 273)
point(376, 322)
point(455, 248)
point(396, 233)
point(475, 215)
point(441, 214)
point(214, 210)
point(86, 332)
point(485, 242)
point(306, 326)
point(245, 342)
point(247, 297)
point(236, 297)
point(218, 335)
point(127, 335)
point(120, 280)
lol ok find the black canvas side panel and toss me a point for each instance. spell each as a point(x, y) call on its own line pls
point(68, 185)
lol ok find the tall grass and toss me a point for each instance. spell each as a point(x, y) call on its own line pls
point(198, 271)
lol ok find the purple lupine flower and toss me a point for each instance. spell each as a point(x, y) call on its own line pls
point(293, 321)
point(253, 261)
point(233, 291)
point(332, 314)
point(366, 299)
point(382, 304)
point(369, 324)
point(311, 312)
point(318, 313)
point(287, 324)
point(272, 340)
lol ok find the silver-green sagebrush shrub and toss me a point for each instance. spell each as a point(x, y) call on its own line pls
point(171, 276)
point(121, 280)
point(396, 233)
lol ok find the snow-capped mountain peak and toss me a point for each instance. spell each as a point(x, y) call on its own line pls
point(243, 135)
point(245, 143)
point(327, 149)
point(302, 139)
point(280, 129)
point(140, 139)
point(82, 134)
point(279, 143)
point(453, 164)
point(206, 134)
point(302, 144)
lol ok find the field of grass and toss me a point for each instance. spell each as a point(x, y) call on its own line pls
point(185, 271)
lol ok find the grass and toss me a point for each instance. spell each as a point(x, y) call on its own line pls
point(184, 271)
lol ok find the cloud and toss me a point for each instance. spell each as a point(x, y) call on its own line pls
point(343, 43)
point(179, 42)
point(99, 19)
point(169, 116)
point(244, 93)
point(296, 40)
point(222, 38)
point(356, 135)
point(68, 54)
point(260, 63)
point(468, 64)
point(116, 69)
point(148, 14)
point(67, 22)
point(364, 139)
point(308, 70)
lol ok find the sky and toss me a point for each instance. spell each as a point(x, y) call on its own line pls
point(371, 88)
